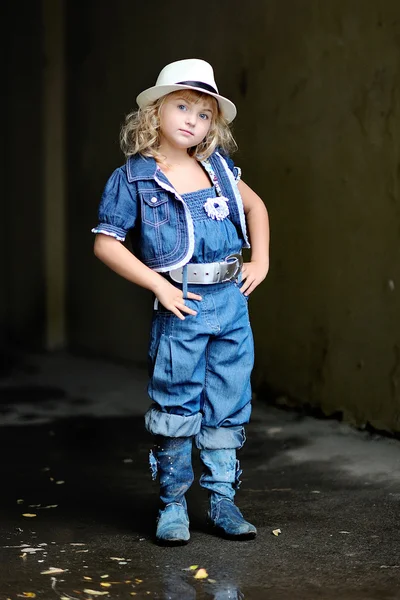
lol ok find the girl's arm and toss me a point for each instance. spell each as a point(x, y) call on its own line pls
point(257, 221)
point(112, 253)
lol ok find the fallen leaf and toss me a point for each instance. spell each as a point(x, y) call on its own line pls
point(53, 570)
point(193, 567)
point(76, 544)
point(103, 584)
point(87, 578)
point(212, 580)
point(273, 430)
point(29, 515)
point(94, 592)
point(201, 574)
point(23, 555)
point(60, 482)
point(104, 576)
point(28, 595)
point(276, 532)
point(116, 558)
point(20, 501)
point(138, 580)
point(344, 531)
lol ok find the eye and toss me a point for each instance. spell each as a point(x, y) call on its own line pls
point(203, 116)
point(182, 106)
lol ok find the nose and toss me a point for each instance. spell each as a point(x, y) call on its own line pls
point(190, 118)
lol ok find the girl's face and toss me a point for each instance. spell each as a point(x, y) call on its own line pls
point(185, 121)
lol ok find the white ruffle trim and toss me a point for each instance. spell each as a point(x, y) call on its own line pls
point(109, 233)
point(190, 225)
point(217, 208)
point(238, 198)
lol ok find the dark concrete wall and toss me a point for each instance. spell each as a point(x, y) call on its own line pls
point(317, 89)
point(21, 246)
point(326, 95)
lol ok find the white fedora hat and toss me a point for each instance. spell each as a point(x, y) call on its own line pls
point(189, 74)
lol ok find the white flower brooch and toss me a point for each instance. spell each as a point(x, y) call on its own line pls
point(217, 208)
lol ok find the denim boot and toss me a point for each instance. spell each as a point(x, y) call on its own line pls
point(172, 459)
point(221, 478)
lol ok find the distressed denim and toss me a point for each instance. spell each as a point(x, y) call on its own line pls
point(221, 472)
point(171, 458)
point(221, 478)
point(200, 369)
point(138, 199)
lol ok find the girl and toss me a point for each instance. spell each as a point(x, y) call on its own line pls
point(181, 199)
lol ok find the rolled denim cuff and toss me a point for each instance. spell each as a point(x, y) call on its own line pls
point(169, 425)
point(117, 232)
point(218, 438)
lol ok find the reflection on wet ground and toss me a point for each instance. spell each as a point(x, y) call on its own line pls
point(78, 507)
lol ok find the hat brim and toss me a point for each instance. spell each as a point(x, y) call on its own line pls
point(228, 109)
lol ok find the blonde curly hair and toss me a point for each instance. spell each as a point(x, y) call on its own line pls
point(141, 131)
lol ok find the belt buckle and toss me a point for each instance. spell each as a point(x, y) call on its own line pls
point(235, 263)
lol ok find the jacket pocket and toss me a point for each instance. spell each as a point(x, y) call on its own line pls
point(155, 208)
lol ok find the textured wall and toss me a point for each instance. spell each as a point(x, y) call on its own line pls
point(21, 242)
point(326, 96)
point(317, 89)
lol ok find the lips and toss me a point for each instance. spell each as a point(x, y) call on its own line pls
point(186, 131)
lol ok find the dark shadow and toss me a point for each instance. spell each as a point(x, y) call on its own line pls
point(103, 463)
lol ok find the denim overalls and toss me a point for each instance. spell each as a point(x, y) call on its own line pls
point(200, 367)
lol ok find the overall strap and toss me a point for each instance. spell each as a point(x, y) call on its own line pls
point(213, 176)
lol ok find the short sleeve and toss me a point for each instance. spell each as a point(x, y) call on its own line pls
point(118, 207)
point(237, 171)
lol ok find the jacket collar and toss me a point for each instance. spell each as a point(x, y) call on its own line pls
point(145, 167)
point(140, 167)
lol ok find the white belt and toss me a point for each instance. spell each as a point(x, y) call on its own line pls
point(207, 273)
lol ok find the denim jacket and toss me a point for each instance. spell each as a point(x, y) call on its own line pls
point(139, 199)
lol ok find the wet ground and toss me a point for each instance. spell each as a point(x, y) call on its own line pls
point(74, 457)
